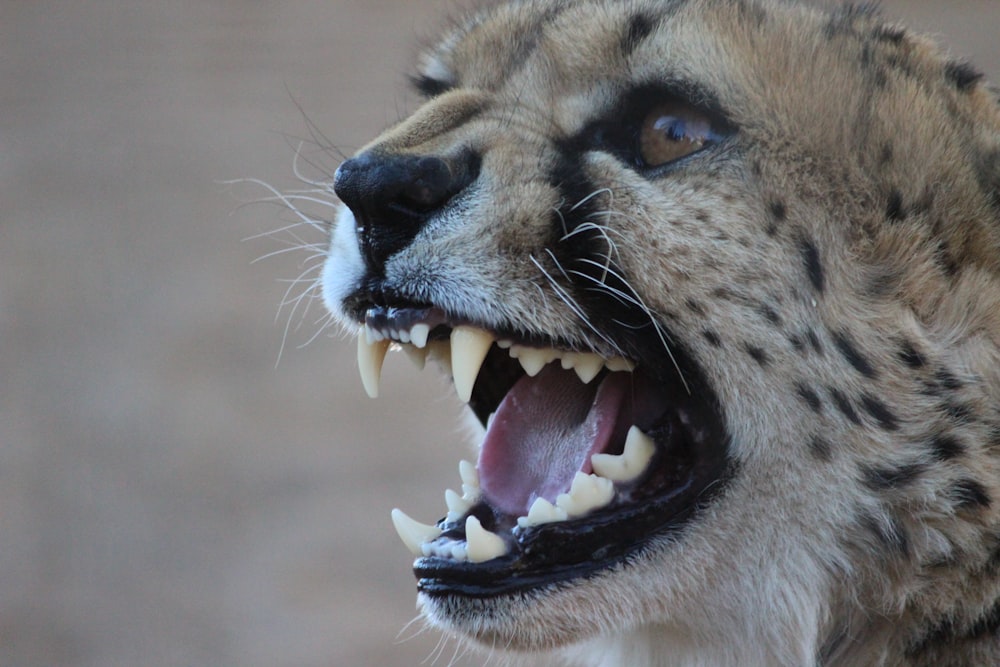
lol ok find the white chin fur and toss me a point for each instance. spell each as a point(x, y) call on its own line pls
point(344, 265)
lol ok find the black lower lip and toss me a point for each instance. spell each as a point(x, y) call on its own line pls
point(558, 552)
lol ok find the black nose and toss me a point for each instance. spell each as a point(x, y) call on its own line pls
point(393, 196)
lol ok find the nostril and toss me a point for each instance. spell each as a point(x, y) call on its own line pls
point(392, 196)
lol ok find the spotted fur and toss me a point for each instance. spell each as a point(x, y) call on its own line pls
point(834, 270)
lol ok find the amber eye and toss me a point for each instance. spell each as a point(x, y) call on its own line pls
point(672, 130)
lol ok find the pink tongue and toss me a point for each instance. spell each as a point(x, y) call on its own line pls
point(546, 429)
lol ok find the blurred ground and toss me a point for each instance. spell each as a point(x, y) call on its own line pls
point(168, 494)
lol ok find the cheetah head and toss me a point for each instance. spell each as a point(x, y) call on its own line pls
point(705, 272)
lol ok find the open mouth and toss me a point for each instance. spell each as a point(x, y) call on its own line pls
point(586, 458)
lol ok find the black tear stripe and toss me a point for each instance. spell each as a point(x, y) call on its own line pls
point(853, 356)
point(598, 287)
point(814, 267)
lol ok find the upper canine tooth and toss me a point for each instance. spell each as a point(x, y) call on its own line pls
point(639, 450)
point(419, 333)
point(413, 533)
point(370, 358)
point(542, 511)
point(469, 346)
point(482, 545)
point(587, 492)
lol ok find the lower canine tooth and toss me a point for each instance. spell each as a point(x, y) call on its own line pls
point(482, 545)
point(588, 492)
point(370, 358)
point(413, 533)
point(542, 511)
point(468, 350)
point(639, 450)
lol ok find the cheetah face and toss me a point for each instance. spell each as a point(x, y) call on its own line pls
point(622, 229)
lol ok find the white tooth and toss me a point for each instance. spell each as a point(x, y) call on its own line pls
point(403, 335)
point(588, 492)
point(504, 344)
point(482, 545)
point(586, 365)
point(627, 466)
point(372, 335)
point(532, 359)
point(457, 505)
point(470, 476)
point(542, 511)
point(440, 351)
point(460, 552)
point(413, 533)
point(468, 350)
point(370, 358)
point(619, 364)
point(417, 355)
point(419, 333)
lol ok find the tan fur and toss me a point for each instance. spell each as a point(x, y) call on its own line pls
point(884, 159)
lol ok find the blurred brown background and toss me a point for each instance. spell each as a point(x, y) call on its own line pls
point(169, 494)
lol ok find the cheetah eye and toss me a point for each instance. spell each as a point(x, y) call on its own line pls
point(672, 130)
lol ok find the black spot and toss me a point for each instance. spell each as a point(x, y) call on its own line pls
point(946, 447)
point(947, 380)
point(820, 448)
point(429, 86)
point(962, 75)
point(987, 167)
point(944, 259)
point(889, 532)
point(958, 412)
point(987, 625)
point(911, 356)
point(844, 405)
point(639, 27)
point(970, 494)
point(885, 479)
point(758, 355)
point(814, 268)
point(796, 342)
point(885, 157)
point(712, 338)
point(880, 411)
point(889, 33)
point(810, 397)
point(694, 307)
point(778, 211)
point(769, 314)
point(894, 210)
point(853, 356)
point(814, 341)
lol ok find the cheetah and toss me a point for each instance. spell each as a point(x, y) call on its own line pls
point(719, 281)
